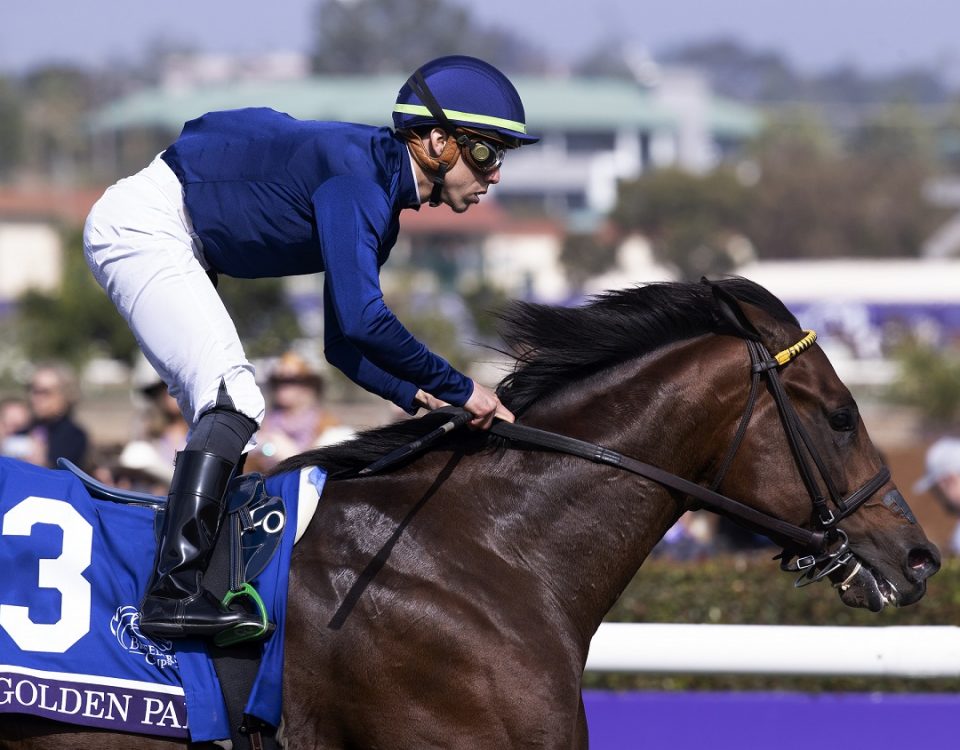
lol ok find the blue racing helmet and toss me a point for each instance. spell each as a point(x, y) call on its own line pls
point(460, 91)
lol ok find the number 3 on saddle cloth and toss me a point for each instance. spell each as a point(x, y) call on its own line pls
point(76, 566)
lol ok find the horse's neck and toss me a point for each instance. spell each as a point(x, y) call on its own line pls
point(585, 529)
point(599, 523)
point(574, 530)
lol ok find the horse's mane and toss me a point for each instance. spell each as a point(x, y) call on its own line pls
point(555, 346)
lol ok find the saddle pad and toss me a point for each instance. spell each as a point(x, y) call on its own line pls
point(70, 647)
point(300, 492)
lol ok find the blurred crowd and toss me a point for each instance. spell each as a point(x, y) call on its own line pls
point(942, 480)
point(39, 427)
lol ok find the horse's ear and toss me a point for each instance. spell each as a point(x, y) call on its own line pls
point(730, 314)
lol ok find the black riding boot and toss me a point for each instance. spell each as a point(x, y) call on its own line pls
point(176, 604)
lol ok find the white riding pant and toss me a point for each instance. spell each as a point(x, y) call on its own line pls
point(140, 244)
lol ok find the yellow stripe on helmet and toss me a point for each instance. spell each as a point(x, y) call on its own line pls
point(497, 122)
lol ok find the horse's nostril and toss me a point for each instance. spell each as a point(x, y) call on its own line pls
point(921, 564)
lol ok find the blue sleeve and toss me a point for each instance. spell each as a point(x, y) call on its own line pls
point(353, 215)
point(345, 357)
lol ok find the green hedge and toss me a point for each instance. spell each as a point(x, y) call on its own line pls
point(751, 590)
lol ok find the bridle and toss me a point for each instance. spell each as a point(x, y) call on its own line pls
point(835, 552)
point(815, 553)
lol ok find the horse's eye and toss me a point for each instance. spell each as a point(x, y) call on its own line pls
point(843, 420)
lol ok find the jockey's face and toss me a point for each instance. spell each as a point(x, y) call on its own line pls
point(463, 185)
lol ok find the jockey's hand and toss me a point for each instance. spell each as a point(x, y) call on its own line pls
point(484, 405)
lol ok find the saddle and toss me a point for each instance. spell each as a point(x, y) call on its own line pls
point(254, 524)
point(252, 534)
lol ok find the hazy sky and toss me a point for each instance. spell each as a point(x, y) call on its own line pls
point(876, 35)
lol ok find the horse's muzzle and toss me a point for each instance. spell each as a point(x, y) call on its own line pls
point(922, 562)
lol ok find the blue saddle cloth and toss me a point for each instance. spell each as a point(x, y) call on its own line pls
point(70, 646)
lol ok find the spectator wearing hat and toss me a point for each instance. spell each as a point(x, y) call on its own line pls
point(146, 463)
point(296, 419)
point(163, 430)
point(942, 480)
point(140, 466)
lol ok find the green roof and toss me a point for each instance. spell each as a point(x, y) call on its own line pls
point(732, 119)
point(568, 104)
point(589, 104)
point(344, 98)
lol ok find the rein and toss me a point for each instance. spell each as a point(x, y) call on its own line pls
point(824, 549)
point(816, 543)
point(801, 537)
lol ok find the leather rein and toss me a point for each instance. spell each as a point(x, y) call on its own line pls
point(823, 549)
point(813, 553)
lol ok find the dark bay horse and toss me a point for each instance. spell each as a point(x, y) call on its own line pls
point(450, 601)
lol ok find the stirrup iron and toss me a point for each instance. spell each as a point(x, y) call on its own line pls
point(245, 632)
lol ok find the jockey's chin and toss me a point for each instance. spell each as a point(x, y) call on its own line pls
point(460, 202)
point(463, 186)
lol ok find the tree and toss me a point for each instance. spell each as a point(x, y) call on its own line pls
point(744, 73)
point(813, 195)
point(485, 302)
point(815, 199)
point(948, 139)
point(11, 127)
point(79, 321)
point(265, 322)
point(56, 99)
point(374, 36)
point(738, 71)
point(695, 222)
point(584, 256)
point(929, 381)
point(439, 320)
point(76, 322)
point(897, 133)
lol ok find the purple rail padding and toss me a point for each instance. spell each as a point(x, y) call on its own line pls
point(755, 721)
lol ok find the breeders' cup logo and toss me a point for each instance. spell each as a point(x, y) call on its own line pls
point(125, 627)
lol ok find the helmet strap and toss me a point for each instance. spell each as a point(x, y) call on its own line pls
point(436, 167)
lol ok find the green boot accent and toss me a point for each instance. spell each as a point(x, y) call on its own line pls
point(245, 631)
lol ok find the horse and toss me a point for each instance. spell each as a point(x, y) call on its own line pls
point(449, 600)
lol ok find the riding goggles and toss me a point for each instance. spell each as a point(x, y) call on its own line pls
point(482, 154)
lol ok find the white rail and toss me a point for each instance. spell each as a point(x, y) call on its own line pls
point(914, 651)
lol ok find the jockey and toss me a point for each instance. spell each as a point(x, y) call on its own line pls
point(254, 193)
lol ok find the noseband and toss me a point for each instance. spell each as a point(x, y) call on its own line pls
point(814, 553)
